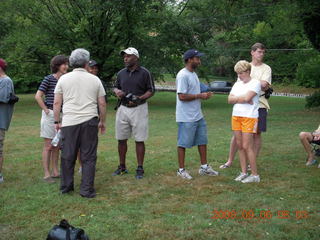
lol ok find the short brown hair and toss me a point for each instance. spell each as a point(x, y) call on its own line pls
point(255, 46)
point(57, 61)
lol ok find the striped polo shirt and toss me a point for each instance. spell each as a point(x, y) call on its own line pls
point(47, 86)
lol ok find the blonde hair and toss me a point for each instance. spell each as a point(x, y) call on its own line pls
point(242, 66)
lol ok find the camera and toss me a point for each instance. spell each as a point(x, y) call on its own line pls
point(268, 93)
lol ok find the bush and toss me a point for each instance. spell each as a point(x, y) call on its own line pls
point(313, 100)
point(308, 73)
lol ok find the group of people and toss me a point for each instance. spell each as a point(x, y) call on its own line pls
point(73, 104)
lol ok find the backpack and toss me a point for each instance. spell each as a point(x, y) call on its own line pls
point(64, 231)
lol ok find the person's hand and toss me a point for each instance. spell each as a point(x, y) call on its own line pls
point(46, 111)
point(119, 93)
point(316, 135)
point(57, 126)
point(205, 95)
point(102, 127)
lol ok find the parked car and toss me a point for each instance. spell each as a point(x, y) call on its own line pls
point(220, 86)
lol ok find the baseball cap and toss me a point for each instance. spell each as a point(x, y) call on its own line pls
point(3, 64)
point(130, 51)
point(92, 63)
point(192, 53)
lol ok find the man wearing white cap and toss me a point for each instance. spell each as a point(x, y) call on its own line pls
point(134, 85)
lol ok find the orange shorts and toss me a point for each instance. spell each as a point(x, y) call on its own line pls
point(244, 124)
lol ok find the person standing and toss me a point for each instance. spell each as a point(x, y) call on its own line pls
point(134, 85)
point(6, 108)
point(192, 128)
point(244, 96)
point(50, 154)
point(262, 72)
point(81, 94)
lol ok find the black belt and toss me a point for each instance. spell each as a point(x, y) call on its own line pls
point(126, 104)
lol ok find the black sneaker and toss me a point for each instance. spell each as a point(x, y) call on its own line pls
point(139, 173)
point(120, 171)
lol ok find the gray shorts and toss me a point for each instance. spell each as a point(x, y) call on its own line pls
point(2, 134)
point(132, 122)
point(262, 120)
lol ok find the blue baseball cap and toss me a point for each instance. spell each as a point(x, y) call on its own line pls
point(192, 53)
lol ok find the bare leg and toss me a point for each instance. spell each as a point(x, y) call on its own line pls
point(1, 162)
point(306, 138)
point(242, 153)
point(80, 163)
point(46, 155)
point(247, 143)
point(181, 156)
point(140, 151)
point(54, 160)
point(203, 154)
point(122, 149)
point(232, 151)
point(257, 139)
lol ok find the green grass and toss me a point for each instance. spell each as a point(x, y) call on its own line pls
point(162, 206)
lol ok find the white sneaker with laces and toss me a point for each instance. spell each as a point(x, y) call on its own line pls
point(241, 177)
point(208, 171)
point(251, 179)
point(184, 174)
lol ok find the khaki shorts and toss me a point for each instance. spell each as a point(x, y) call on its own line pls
point(132, 122)
point(2, 134)
point(47, 125)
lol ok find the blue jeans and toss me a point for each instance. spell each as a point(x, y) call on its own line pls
point(192, 133)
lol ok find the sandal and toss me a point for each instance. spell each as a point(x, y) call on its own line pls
point(223, 166)
point(49, 180)
point(58, 176)
point(313, 162)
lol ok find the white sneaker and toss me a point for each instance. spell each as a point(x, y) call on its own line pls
point(208, 171)
point(241, 177)
point(1, 179)
point(80, 170)
point(184, 174)
point(251, 178)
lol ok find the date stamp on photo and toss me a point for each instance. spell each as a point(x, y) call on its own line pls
point(261, 214)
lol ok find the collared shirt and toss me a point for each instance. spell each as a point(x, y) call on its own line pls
point(188, 83)
point(80, 92)
point(47, 86)
point(137, 82)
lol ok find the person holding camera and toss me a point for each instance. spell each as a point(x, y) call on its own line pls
point(261, 72)
point(134, 85)
point(6, 108)
point(192, 127)
point(307, 138)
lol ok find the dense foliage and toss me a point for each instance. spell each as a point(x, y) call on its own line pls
point(33, 31)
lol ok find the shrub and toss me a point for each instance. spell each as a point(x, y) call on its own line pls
point(313, 100)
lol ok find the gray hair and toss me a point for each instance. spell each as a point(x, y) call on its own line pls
point(79, 58)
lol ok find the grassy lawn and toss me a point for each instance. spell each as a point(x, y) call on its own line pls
point(163, 206)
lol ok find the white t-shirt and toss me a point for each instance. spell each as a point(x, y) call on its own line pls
point(80, 92)
point(245, 109)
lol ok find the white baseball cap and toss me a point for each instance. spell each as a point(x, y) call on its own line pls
point(130, 51)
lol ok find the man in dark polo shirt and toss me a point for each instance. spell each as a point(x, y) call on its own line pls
point(133, 87)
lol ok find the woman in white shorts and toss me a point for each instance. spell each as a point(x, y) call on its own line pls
point(50, 154)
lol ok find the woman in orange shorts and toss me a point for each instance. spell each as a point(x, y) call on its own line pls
point(245, 97)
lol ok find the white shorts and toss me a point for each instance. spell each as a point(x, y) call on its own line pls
point(47, 125)
point(132, 122)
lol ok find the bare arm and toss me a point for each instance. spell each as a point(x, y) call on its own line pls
point(39, 98)
point(146, 95)
point(190, 97)
point(119, 93)
point(57, 109)
point(264, 85)
point(247, 98)
point(102, 113)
